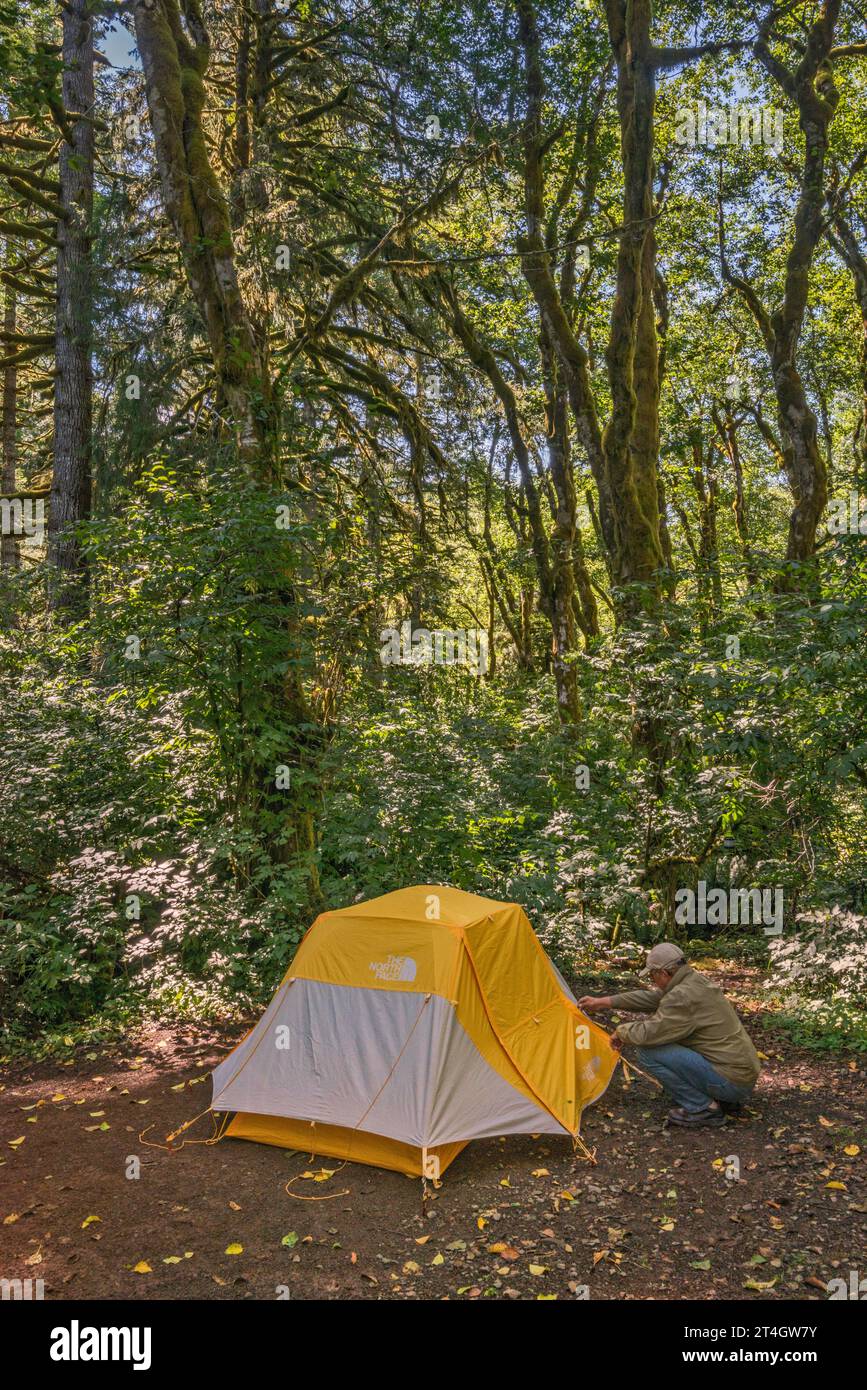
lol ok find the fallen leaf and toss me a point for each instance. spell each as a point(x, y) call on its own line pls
point(234, 1249)
point(142, 1268)
point(88, 1220)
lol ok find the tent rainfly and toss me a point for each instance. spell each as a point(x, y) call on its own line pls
point(409, 1025)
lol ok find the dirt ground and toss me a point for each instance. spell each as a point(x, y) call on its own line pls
point(661, 1214)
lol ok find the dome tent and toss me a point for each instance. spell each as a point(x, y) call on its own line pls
point(407, 1026)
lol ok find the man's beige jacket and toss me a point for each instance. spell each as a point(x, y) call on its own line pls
point(696, 1014)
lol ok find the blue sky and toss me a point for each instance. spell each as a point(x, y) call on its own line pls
point(119, 47)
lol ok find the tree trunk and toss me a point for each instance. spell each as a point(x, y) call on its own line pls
point(9, 555)
point(810, 87)
point(174, 67)
point(71, 481)
point(631, 439)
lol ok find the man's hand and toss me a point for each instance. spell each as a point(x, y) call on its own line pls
point(591, 1004)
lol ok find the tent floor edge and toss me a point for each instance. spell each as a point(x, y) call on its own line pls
point(335, 1141)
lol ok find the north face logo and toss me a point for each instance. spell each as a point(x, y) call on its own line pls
point(395, 968)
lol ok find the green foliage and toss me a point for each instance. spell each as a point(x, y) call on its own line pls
point(818, 980)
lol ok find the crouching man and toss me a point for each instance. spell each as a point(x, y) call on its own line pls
point(694, 1042)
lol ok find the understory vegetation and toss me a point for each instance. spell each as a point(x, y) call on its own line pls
point(445, 464)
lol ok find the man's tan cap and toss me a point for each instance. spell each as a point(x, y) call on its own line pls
point(663, 957)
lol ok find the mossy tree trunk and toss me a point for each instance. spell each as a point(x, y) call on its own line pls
point(175, 51)
point(71, 479)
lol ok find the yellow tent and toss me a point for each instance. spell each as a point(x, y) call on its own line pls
point(409, 1025)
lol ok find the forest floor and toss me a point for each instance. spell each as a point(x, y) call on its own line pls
point(521, 1218)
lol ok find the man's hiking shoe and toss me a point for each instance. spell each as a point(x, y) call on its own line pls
point(711, 1118)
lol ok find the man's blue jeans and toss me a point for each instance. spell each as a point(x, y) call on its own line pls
point(688, 1077)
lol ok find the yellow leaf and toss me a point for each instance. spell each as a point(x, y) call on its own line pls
point(234, 1206)
point(59, 1097)
point(35, 1259)
point(411, 1267)
point(667, 1226)
point(538, 1269)
point(838, 1186)
point(497, 1249)
point(599, 1255)
point(546, 1297)
point(504, 1182)
point(96, 1114)
point(11, 1218)
point(180, 1087)
point(438, 1260)
point(422, 1240)
point(852, 1150)
point(142, 1268)
point(541, 1173)
point(234, 1249)
point(172, 1260)
point(13, 1143)
point(88, 1220)
point(481, 1222)
point(188, 1254)
point(829, 1124)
